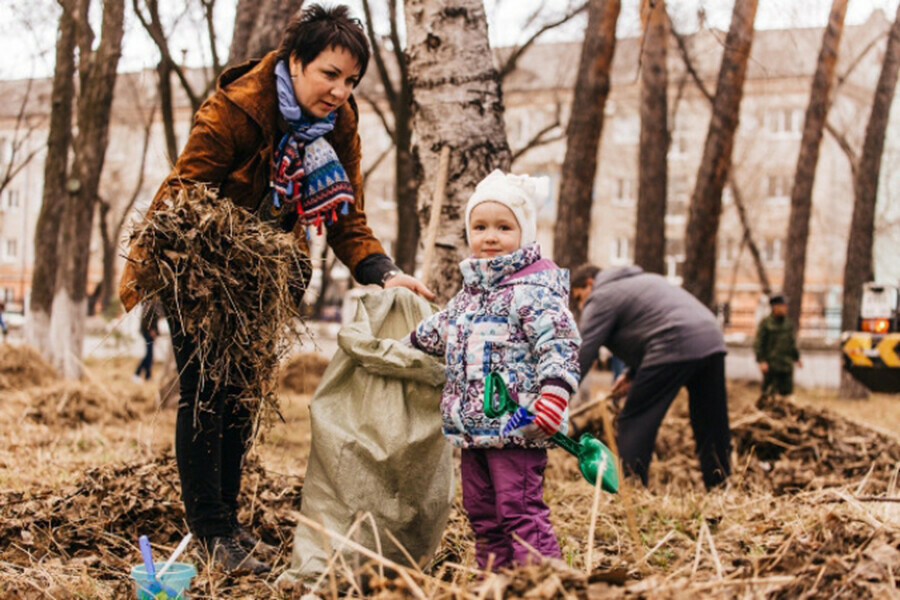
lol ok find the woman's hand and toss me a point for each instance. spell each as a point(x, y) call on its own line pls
point(410, 283)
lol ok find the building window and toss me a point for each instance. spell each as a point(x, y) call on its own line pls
point(11, 249)
point(621, 251)
point(624, 191)
point(773, 251)
point(678, 146)
point(728, 250)
point(677, 203)
point(626, 130)
point(778, 187)
point(784, 121)
point(12, 199)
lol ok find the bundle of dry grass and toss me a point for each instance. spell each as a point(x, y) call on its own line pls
point(22, 367)
point(301, 373)
point(233, 284)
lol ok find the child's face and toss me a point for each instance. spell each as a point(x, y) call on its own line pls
point(493, 230)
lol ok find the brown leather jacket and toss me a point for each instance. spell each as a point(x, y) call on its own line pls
point(230, 147)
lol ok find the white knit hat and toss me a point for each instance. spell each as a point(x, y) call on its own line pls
point(518, 193)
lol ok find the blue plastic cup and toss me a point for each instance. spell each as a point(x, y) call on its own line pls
point(178, 578)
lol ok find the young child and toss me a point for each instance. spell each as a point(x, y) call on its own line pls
point(511, 317)
point(776, 349)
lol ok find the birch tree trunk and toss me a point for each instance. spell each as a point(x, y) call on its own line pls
point(858, 267)
point(456, 102)
point(706, 202)
point(650, 233)
point(805, 175)
point(573, 218)
point(97, 76)
point(59, 140)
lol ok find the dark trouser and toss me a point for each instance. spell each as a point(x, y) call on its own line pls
point(146, 364)
point(503, 494)
point(650, 396)
point(209, 444)
point(778, 382)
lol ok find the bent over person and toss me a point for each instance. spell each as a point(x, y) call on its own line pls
point(668, 340)
point(279, 138)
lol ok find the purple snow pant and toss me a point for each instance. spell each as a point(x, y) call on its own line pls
point(503, 493)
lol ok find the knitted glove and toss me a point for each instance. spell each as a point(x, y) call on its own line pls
point(549, 409)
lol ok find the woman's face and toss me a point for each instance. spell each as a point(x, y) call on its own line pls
point(326, 82)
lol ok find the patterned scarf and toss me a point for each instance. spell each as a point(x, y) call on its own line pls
point(307, 175)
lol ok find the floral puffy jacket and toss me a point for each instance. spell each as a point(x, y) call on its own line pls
point(511, 317)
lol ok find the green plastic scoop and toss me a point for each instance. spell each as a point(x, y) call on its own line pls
point(593, 456)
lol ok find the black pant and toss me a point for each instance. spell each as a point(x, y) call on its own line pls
point(212, 433)
point(649, 398)
point(146, 364)
point(778, 382)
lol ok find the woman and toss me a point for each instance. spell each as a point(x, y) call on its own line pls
point(279, 137)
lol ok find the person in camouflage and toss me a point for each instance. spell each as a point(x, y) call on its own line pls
point(776, 349)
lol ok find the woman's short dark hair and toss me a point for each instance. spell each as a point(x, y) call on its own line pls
point(318, 28)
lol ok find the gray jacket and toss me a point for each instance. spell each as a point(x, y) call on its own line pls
point(644, 320)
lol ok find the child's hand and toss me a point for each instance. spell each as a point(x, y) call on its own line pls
point(548, 411)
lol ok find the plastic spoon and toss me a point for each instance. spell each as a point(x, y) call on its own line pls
point(178, 550)
point(594, 458)
point(156, 589)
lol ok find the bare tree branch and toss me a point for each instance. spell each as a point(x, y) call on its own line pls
point(748, 237)
point(208, 7)
point(396, 46)
point(389, 91)
point(371, 168)
point(845, 145)
point(541, 137)
point(510, 64)
point(379, 112)
point(12, 166)
point(855, 62)
point(689, 63)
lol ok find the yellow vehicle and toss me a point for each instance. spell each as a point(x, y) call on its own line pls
point(872, 353)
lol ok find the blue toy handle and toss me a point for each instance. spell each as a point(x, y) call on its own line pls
point(147, 553)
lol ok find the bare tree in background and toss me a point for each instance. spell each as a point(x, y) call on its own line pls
point(456, 103)
point(706, 201)
point(858, 266)
point(739, 201)
point(650, 233)
point(97, 77)
point(573, 219)
point(56, 168)
point(393, 74)
point(258, 25)
point(113, 214)
point(805, 175)
point(20, 151)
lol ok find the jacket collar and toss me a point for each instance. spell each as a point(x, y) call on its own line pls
point(487, 272)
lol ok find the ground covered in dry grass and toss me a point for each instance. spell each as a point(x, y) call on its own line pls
point(812, 510)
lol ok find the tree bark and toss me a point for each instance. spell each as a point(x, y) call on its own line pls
point(573, 220)
point(457, 102)
point(97, 76)
point(258, 25)
point(59, 140)
point(858, 267)
point(650, 233)
point(805, 175)
point(706, 201)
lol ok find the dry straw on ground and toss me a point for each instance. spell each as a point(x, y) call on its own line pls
point(811, 511)
point(233, 284)
point(301, 373)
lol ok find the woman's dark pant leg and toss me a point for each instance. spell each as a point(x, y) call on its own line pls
point(199, 430)
point(237, 429)
point(709, 419)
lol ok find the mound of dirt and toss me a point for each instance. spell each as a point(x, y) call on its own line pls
point(70, 403)
point(302, 372)
point(22, 367)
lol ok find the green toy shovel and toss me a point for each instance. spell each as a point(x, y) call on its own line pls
point(593, 456)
